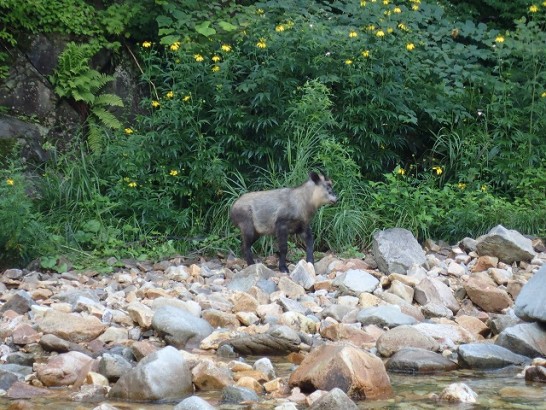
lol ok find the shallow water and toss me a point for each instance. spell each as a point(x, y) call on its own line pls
point(495, 389)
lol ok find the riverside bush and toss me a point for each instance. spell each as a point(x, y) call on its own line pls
point(423, 120)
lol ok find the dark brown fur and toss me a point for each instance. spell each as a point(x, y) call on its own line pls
point(281, 212)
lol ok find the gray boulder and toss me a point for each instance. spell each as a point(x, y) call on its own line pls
point(334, 399)
point(162, 375)
point(527, 339)
point(432, 290)
point(179, 327)
point(255, 275)
point(384, 316)
point(113, 366)
point(488, 356)
point(194, 403)
point(506, 244)
point(402, 337)
point(355, 282)
point(20, 302)
point(279, 340)
point(396, 250)
point(236, 395)
point(415, 360)
point(530, 304)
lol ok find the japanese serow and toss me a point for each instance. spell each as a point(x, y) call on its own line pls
point(281, 212)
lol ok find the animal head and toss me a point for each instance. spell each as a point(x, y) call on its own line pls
point(323, 192)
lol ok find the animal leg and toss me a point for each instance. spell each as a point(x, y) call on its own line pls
point(282, 239)
point(308, 237)
point(249, 237)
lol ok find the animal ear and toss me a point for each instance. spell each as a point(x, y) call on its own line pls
point(313, 176)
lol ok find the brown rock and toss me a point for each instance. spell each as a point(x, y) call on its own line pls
point(71, 327)
point(254, 374)
point(217, 318)
point(273, 385)
point(483, 263)
point(356, 372)
point(250, 383)
point(486, 295)
point(535, 374)
point(243, 302)
point(210, 376)
point(343, 331)
point(64, 369)
point(141, 314)
point(404, 336)
point(142, 349)
point(22, 390)
point(473, 325)
point(24, 334)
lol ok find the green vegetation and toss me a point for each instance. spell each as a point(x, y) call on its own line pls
point(425, 117)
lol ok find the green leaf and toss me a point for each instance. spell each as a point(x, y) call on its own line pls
point(168, 40)
point(227, 26)
point(205, 29)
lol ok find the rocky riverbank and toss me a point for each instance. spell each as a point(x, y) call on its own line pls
point(173, 330)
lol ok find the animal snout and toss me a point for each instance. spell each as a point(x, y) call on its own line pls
point(332, 198)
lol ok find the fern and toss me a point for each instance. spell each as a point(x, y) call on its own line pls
point(94, 136)
point(75, 79)
point(108, 100)
point(106, 118)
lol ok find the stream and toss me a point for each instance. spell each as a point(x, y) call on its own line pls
point(498, 389)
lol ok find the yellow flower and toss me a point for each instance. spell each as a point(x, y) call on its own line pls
point(186, 98)
point(483, 188)
point(216, 58)
point(380, 33)
point(261, 43)
point(155, 104)
point(415, 7)
point(438, 170)
point(260, 11)
point(348, 62)
point(10, 182)
point(366, 53)
point(353, 34)
point(175, 46)
point(390, 30)
point(198, 57)
point(499, 39)
point(410, 46)
point(397, 10)
point(401, 171)
point(215, 68)
point(543, 95)
point(371, 27)
point(170, 94)
point(147, 44)
point(173, 172)
point(402, 26)
point(279, 28)
point(461, 185)
point(362, 3)
point(544, 3)
point(533, 8)
point(128, 131)
point(132, 184)
point(226, 48)
point(385, 2)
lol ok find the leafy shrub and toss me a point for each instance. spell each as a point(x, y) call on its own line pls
point(24, 234)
